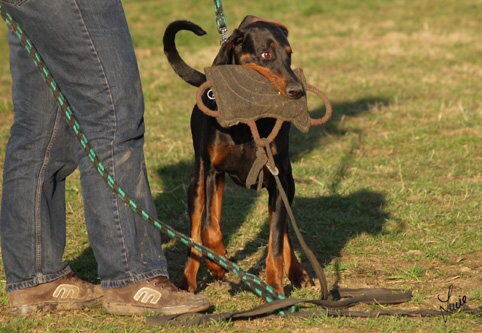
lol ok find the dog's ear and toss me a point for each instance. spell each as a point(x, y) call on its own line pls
point(225, 54)
point(251, 19)
point(248, 20)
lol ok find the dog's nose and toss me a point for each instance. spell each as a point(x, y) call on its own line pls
point(295, 90)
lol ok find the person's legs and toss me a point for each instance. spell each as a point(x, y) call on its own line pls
point(87, 47)
point(41, 153)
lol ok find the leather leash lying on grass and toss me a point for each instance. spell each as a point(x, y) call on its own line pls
point(333, 310)
point(276, 302)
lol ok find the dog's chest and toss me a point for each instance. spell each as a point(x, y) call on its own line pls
point(234, 159)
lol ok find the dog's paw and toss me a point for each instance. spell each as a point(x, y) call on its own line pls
point(301, 280)
point(184, 284)
point(216, 271)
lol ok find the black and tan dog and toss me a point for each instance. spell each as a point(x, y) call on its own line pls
point(263, 46)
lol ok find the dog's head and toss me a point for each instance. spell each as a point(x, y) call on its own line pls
point(263, 46)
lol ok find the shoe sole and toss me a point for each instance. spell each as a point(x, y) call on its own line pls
point(52, 306)
point(123, 309)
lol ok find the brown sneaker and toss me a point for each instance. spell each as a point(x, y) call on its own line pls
point(157, 295)
point(66, 293)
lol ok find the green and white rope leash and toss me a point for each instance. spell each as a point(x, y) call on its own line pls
point(221, 20)
point(253, 282)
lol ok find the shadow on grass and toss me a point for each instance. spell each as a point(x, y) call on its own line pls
point(327, 225)
point(328, 222)
point(301, 144)
point(85, 266)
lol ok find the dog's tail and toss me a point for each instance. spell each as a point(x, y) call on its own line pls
point(186, 72)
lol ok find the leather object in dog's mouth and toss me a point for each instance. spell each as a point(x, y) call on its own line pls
point(243, 95)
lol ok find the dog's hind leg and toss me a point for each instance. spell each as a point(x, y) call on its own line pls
point(212, 235)
point(196, 207)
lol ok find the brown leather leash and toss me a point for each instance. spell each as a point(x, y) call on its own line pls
point(337, 308)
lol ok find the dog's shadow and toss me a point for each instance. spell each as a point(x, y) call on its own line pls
point(328, 222)
point(301, 144)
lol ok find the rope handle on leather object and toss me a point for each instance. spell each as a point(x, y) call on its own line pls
point(326, 101)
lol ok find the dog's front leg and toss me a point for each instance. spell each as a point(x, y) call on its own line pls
point(293, 269)
point(278, 226)
point(280, 251)
point(295, 272)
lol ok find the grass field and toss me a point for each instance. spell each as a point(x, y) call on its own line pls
point(388, 193)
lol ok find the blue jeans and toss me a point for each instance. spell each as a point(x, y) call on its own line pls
point(88, 49)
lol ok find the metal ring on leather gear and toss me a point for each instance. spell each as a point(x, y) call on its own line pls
point(210, 94)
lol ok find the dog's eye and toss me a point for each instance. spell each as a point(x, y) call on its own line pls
point(267, 55)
